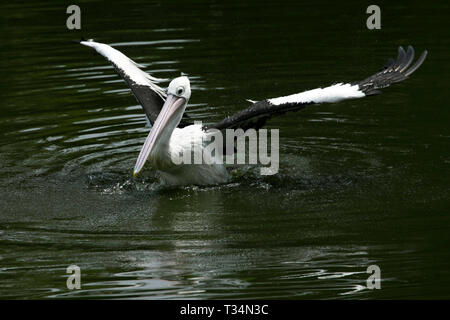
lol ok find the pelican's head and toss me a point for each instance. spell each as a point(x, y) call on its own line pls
point(180, 87)
point(178, 94)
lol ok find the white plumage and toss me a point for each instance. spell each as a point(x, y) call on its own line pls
point(334, 93)
point(191, 141)
point(128, 66)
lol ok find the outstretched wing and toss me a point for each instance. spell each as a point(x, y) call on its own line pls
point(143, 85)
point(259, 112)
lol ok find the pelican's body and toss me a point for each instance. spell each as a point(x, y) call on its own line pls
point(170, 137)
point(187, 140)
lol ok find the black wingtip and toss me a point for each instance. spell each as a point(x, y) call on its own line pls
point(393, 72)
point(417, 64)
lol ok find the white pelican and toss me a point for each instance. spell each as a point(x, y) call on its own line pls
point(171, 132)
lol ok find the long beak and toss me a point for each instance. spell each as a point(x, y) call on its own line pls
point(172, 104)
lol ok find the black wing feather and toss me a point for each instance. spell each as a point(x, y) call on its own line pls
point(150, 101)
point(256, 115)
point(393, 72)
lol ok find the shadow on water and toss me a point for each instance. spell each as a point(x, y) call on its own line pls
point(360, 183)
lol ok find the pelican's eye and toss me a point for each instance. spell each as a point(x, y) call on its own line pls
point(180, 91)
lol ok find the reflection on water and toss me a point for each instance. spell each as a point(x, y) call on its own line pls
point(360, 183)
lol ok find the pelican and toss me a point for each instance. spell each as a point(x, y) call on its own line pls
point(172, 131)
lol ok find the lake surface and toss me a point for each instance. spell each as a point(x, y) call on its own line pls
point(364, 182)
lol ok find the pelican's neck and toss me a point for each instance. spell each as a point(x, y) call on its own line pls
point(162, 148)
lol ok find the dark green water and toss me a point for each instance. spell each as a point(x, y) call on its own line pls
point(362, 182)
